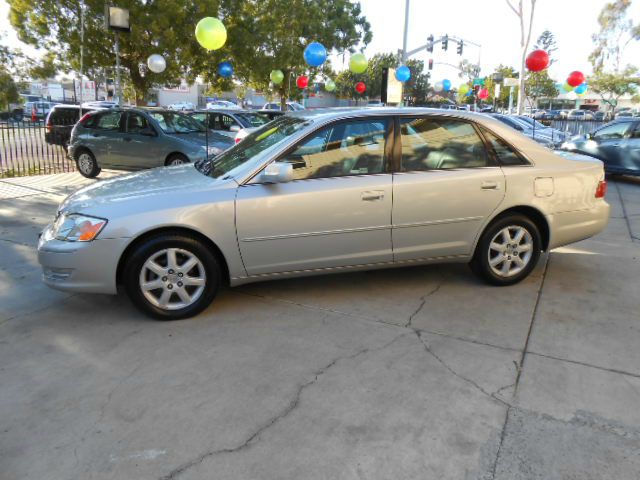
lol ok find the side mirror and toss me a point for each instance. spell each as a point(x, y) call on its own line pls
point(147, 132)
point(277, 172)
point(234, 128)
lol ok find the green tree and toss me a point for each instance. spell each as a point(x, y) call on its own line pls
point(261, 36)
point(617, 31)
point(547, 42)
point(613, 85)
point(8, 89)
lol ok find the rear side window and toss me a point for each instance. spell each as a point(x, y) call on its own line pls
point(439, 144)
point(108, 121)
point(612, 132)
point(505, 153)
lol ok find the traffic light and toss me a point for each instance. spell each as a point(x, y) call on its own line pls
point(431, 64)
point(460, 47)
point(445, 42)
point(430, 44)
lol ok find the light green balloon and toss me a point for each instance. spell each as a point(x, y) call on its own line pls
point(463, 89)
point(276, 76)
point(329, 85)
point(211, 33)
point(567, 88)
point(358, 63)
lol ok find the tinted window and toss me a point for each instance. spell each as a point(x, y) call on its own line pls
point(171, 122)
point(136, 122)
point(344, 148)
point(226, 122)
point(65, 116)
point(204, 117)
point(109, 121)
point(253, 119)
point(433, 144)
point(504, 152)
point(613, 131)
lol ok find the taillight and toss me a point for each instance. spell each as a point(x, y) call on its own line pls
point(34, 114)
point(601, 190)
point(238, 140)
point(49, 125)
point(84, 117)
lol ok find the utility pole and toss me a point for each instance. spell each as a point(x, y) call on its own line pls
point(81, 57)
point(118, 84)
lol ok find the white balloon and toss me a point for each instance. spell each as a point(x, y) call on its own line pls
point(438, 87)
point(156, 63)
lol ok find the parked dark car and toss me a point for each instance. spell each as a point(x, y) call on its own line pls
point(61, 120)
point(523, 127)
point(617, 144)
point(133, 139)
point(229, 122)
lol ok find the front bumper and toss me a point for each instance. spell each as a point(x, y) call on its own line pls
point(88, 267)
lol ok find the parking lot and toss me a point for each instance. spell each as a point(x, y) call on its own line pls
point(410, 373)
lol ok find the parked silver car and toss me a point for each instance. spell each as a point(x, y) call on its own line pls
point(229, 122)
point(325, 191)
point(133, 139)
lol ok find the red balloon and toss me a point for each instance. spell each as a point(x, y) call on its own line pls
point(483, 93)
point(538, 60)
point(361, 87)
point(302, 81)
point(575, 78)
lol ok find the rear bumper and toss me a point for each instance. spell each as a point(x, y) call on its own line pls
point(88, 267)
point(570, 227)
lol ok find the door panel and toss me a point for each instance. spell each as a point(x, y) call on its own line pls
point(105, 138)
point(446, 188)
point(135, 151)
point(337, 211)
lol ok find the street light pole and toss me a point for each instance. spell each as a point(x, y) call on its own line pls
point(406, 31)
point(118, 84)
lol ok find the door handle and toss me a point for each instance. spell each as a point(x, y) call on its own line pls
point(489, 186)
point(372, 195)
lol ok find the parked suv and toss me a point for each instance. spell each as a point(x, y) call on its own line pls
point(133, 139)
point(61, 120)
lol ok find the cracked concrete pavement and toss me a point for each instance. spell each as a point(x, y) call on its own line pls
point(412, 373)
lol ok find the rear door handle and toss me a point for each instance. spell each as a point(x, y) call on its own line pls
point(372, 195)
point(489, 186)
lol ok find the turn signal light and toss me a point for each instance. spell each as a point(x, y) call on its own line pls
point(601, 191)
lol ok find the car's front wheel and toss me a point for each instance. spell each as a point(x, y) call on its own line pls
point(87, 164)
point(176, 159)
point(508, 250)
point(171, 276)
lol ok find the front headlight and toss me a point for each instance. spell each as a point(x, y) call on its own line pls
point(77, 228)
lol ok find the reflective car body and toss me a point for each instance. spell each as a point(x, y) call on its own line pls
point(378, 196)
point(617, 144)
point(229, 122)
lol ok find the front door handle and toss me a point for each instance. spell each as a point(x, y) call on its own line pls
point(372, 195)
point(489, 186)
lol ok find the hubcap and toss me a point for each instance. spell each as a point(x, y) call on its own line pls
point(85, 163)
point(172, 278)
point(176, 161)
point(510, 251)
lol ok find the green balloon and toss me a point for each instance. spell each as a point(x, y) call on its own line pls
point(567, 88)
point(329, 85)
point(210, 33)
point(463, 89)
point(276, 76)
point(358, 63)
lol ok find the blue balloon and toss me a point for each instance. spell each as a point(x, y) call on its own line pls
point(580, 89)
point(315, 54)
point(446, 85)
point(403, 73)
point(225, 69)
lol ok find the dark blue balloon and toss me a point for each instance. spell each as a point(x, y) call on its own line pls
point(225, 69)
point(315, 54)
point(403, 73)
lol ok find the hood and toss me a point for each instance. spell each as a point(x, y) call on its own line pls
point(136, 186)
point(200, 138)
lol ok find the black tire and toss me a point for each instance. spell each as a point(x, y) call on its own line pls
point(147, 249)
point(87, 164)
point(176, 159)
point(480, 264)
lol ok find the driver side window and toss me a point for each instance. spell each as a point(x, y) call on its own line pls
point(342, 149)
point(612, 132)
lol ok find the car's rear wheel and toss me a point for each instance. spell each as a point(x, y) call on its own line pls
point(176, 159)
point(87, 164)
point(508, 250)
point(172, 276)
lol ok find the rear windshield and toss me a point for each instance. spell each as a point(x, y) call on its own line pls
point(66, 116)
point(254, 119)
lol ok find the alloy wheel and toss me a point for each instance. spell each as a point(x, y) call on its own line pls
point(172, 278)
point(510, 251)
point(85, 163)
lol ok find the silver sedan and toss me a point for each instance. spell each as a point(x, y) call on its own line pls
point(326, 191)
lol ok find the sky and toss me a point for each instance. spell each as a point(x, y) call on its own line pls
point(490, 23)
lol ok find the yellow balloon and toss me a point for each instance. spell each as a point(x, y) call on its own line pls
point(358, 63)
point(211, 33)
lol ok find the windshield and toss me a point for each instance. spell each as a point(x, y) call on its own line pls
point(252, 145)
point(254, 119)
point(173, 122)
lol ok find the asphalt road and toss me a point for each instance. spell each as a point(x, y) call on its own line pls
point(412, 373)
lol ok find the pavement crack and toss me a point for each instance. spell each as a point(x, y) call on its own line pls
point(423, 301)
point(290, 407)
point(14, 242)
point(624, 212)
